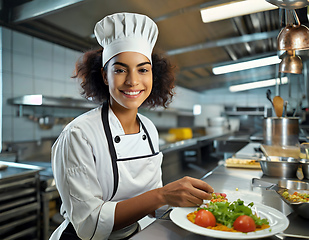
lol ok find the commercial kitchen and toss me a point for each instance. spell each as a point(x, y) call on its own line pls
point(226, 128)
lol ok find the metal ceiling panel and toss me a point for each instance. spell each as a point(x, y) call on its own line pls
point(38, 8)
point(223, 42)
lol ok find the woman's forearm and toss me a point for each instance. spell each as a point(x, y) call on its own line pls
point(184, 192)
point(133, 209)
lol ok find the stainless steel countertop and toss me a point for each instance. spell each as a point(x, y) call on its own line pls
point(226, 180)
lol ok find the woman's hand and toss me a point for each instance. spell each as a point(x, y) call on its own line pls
point(186, 192)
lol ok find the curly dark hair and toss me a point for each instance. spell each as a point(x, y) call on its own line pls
point(88, 70)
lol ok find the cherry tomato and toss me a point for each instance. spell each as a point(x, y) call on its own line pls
point(204, 218)
point(223, 195)
point(244, 223)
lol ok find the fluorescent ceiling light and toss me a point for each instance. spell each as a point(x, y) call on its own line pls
point(234, 9)
point(258, 84)
point(234, 67)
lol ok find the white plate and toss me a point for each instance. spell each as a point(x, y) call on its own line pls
point(277, 220)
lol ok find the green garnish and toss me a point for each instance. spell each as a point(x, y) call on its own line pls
point(227, 212)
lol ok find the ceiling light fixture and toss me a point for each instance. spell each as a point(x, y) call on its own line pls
point(234, 9)
point(234, 67)
point(258, 84)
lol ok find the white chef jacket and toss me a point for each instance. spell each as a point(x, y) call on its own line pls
point(83, 172)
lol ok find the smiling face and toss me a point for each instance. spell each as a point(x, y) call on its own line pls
point(129, 78)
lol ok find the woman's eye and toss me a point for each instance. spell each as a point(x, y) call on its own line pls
point(143, 70)
point(119, 70)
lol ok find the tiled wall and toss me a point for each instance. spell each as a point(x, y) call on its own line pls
point(34, 66)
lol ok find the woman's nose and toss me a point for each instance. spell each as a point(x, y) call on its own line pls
point(132, 79)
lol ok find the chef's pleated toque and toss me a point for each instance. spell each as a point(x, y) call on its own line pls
point(126, 32)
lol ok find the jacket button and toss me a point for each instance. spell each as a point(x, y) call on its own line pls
point(117, 139)
point(144, 137)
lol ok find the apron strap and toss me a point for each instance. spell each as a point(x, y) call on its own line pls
point(148, 137)
point(112, 151)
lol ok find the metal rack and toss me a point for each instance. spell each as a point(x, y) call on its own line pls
point(19, 202)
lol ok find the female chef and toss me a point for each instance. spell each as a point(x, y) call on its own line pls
point(106, 162)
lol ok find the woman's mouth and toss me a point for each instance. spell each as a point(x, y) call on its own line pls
point(132, 93)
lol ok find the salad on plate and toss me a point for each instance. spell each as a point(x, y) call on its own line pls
point(220, 214)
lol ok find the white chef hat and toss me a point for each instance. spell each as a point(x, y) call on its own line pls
point(126, 32)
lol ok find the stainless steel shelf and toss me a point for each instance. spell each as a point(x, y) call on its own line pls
point(40, 100)
point(241, 113)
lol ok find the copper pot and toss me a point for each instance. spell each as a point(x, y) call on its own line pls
point(293, 37)
point(291, 64)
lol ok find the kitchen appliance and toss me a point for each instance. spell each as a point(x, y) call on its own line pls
point(283, 131)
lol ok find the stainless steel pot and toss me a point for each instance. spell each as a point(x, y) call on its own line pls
point(281, 131)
